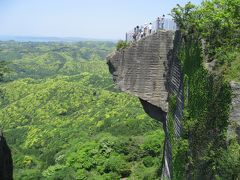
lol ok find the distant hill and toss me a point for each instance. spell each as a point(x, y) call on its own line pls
point(49, 39)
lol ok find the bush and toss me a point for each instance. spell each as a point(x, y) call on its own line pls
point(153, 143)
point(148, 161)
point(143, 173)
point(229, 162)
point(26, 174)
point(122, 45)
point(116, 163)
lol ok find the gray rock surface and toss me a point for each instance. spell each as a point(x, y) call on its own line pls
point(141, 70)
point(234, 127)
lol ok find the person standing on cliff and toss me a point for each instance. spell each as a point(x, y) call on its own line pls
point(141, 32)
point(158, 23)
point(162, 21)
point(145, 30)
point(135, 34)
point(150, 28)
point(138, 32)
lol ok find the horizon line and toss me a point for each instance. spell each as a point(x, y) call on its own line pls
point(20, 38)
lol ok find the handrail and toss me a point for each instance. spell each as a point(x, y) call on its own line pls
point(144, 30)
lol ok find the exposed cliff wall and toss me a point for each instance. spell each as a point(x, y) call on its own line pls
point(234, 127)
point(6, 164)
point(149, 70)
point(142, 69)
point(175, 84)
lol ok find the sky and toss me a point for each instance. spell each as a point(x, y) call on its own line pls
point(98, 19)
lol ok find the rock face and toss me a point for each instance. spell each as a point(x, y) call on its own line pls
point(141, 70)
point(149, 70)
point(6, 164)
point(234, 127)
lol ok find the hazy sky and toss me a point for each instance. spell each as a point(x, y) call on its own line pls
point(101, 19)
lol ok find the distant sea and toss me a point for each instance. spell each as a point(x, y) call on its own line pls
point(49, 39)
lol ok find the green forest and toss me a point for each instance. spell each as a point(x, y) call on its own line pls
point(64, 119)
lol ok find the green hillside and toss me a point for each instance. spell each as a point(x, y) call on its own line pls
point(64, 119)
point(210, 59)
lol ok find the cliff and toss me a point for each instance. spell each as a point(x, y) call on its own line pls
point(6, 164)
point(149, 70)
point(234, 127)
point(167, 72)
point(141, 69)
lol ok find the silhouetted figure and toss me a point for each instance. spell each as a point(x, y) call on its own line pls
point(6, 164)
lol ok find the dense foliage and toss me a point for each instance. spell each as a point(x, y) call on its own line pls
point(122, 45)
point(64, 119)
point(210, 35)
point(214, 24)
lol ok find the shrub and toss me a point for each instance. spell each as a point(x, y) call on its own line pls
point(116, 163)
point(122, 45)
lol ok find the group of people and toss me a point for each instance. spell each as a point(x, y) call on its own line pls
point(147, 29)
